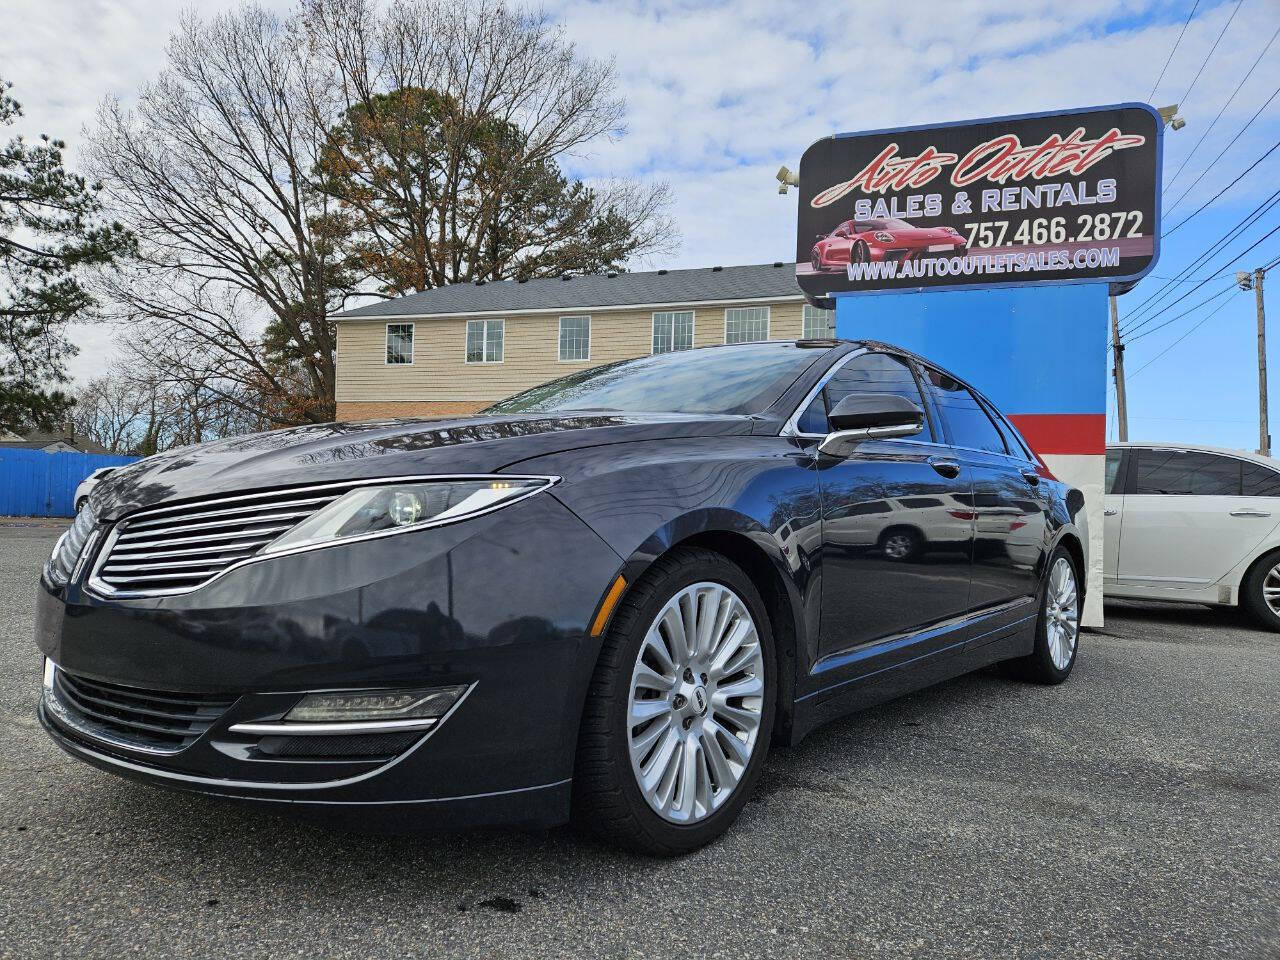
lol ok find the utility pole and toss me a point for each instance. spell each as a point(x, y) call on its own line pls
point(1248, 281)
point(1117, 350)
point(1264, 432)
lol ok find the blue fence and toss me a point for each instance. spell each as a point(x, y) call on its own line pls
point(38, 484)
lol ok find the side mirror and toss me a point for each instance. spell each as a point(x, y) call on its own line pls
point(870, 416)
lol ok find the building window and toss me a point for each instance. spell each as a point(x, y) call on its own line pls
point(672, 330)
point(818, 323)
point(484, 340)
point(575, 338)
point(745, 324)
point(399, 343)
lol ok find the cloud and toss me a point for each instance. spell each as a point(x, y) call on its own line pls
point(721, 93)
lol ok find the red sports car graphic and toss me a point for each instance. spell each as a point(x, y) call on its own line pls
point(885, 238)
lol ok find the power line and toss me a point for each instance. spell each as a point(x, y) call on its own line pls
point(1214, 161)
point(1196, 327)
point(1128, 334)
point(1169, 59)
point(1231, 286)
point(1196, 78)
point(1274, 146)
point(1212, 123)
point(1198, 260)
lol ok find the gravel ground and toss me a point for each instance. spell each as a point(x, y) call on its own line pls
point(1131, 812)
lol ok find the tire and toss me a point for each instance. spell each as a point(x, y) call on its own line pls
point(900, 544)
point(815, 260)
point(1253, 592)
point(860, 253)
point(80, 503)
point(685, 806)
point(1054, 655)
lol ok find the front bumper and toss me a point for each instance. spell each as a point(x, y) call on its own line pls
point(500, 604)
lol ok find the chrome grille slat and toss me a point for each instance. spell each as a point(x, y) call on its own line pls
point(139, 719)
point(177, 548)
point(203, 538)
point(249, 510)
point(115, 567)
point(123, 552)
point(179, 527)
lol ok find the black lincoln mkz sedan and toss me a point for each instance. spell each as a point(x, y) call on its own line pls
point(604, 598)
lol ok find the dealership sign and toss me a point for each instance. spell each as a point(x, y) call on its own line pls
point(1061, 197)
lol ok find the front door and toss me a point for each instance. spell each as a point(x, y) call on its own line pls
point(896, 536)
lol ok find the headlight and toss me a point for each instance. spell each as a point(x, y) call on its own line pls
point(395, 507)
point(883, 237)
point(69, 547)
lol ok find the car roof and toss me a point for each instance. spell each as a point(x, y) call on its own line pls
point(1271, 462)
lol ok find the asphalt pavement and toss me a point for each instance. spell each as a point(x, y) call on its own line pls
point(1132, 812)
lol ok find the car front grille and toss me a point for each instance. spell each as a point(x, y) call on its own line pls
point(127, 716)
point(175, 549)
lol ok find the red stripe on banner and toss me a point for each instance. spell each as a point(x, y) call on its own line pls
point(1063, 433)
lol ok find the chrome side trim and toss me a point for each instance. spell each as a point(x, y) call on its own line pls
point(96, 586)
point(325, 729)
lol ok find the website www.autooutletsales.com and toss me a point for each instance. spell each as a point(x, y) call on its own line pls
point(983, 264)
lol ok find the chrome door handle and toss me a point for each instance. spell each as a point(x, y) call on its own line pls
point(1249, 512)
point(948, 468)
point(1110, 513)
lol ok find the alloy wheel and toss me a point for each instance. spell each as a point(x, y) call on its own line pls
point(1271, 589)
point(1061, 615)
point(696, 702)
point(898, 546)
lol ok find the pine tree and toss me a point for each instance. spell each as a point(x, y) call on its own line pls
point(50, 231)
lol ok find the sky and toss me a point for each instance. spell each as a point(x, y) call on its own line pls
point(721, 93)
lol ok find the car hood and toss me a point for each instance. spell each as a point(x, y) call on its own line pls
point(335, 452)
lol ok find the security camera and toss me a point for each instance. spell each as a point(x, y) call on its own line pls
point(1177, 123)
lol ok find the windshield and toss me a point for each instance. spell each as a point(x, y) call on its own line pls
point(883, 223)
point(739, 379)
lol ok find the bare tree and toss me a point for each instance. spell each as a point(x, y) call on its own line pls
point(447, 155)
point(277, 168)
point(211, 169)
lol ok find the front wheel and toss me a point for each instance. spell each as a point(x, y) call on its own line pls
point(680, 710)
point(1058, 628)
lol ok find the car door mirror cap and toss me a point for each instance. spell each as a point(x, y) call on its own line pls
point(875, 410)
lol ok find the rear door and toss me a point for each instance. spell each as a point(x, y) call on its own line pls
point(1187, 519)
point(1009, 509)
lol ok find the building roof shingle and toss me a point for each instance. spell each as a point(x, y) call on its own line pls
point(767, 281)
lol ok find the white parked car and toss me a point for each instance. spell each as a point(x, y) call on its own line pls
point(86, 486)
point(1194, 524)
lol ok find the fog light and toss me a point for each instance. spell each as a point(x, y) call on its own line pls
point(417, 704)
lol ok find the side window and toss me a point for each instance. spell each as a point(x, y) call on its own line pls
point(869, 373)
point(1181, 473)
point(1113, 472)
point(1260, 482)
point(970, 425)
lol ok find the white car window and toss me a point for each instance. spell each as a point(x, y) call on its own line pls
point(1182, 473)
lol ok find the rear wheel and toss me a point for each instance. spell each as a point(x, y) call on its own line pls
point(900, 543)
point(1058, 629)
point(1260, 592)
point(680, 710)
point(815, 259)
point(861, 253)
